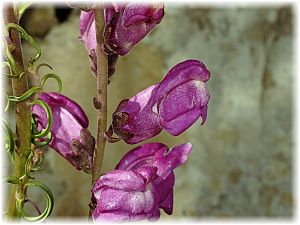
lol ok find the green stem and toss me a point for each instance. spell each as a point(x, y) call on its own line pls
point(102, 79)
point(22, 110)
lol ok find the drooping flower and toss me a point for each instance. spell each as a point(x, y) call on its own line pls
point(125, 26)
point(173, 104)
point(141, 185)
point(70, 137)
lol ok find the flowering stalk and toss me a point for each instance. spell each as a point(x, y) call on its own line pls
point(22, 110)
point(101, 101)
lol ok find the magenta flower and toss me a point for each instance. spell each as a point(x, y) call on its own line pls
point(141, 184)
point(88, 36)
point(173, 104)
point(130, 23)
point(70, 137)
point(126, 25)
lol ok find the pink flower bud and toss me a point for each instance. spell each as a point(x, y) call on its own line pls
point(129, 24)
point(125, 26)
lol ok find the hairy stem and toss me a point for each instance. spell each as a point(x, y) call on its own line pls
point(22, 111)
point(101, 97)
point(102, 78)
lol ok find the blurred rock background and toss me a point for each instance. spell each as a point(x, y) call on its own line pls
point(241, 164)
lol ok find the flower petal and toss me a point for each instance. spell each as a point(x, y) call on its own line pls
point(117, 216)
point(134, 121)
point(88, 30)
point(142, 183)
point(164, 187)
point(181, 73)
point(141, 155)
point(68, 128)
point(157, 155)
point(70, 106)
point(181, 107)
point(134, 202)
point(122, 35)
point(120, 179)
point(135, 13)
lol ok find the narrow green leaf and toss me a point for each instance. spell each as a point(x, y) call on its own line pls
point(11, 140)
point(49, 203)
point(12, 180)
point(25, 95)
point(48, 111)
point(28, 38)
point(22, 8)
point(54, 76)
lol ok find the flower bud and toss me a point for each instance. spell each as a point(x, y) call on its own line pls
point(70, 137)
point(88, 36)
point(130, 23)
point(125, 26)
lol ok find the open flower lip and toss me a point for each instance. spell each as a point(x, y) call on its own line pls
point(141, 153)
point(138, 188)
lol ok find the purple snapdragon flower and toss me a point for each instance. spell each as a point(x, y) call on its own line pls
point(129, 23)
point(125, 26)
point(173, 104)
point(70, 137)
point(141, 184)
